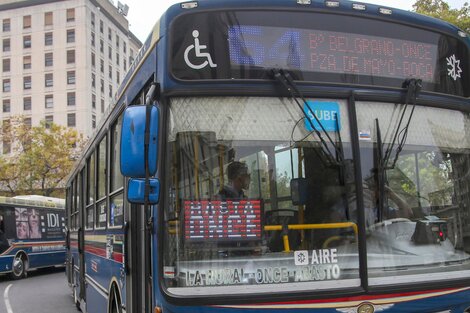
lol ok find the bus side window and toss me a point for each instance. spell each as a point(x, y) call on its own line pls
point(3, 237)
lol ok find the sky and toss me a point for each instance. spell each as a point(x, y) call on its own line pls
point(144, 13)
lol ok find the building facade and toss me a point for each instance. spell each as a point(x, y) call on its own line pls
point(62, 60)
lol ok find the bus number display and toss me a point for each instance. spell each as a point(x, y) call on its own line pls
point(225, 220)
point(332, 52)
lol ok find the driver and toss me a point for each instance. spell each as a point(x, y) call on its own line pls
point(238, 181)
point(371, 204)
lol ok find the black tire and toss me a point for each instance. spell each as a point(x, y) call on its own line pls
point(18, 269)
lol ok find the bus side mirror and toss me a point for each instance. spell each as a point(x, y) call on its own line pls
point(133, 140)
point(299, 191)
point(136, 191)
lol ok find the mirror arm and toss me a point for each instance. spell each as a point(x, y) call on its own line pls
point(149, 97)
point(152, 93)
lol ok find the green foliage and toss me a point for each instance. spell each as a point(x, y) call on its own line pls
point(435, 184)
point(441, 9)
point(42, 157)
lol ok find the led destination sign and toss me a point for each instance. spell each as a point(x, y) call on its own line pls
point(331, 52)
point(316, 48)
point(222, 220)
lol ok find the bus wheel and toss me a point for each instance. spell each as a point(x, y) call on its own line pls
point(18, 269)
point(114, 302)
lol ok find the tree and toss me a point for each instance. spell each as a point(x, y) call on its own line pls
point(441, 9)
point(41, 158)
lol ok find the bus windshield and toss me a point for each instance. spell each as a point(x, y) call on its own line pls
point(297, 184)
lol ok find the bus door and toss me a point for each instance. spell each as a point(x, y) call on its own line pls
point(81, 235)
point(139, 278)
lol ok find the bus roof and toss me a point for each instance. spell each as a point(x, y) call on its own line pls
point(332, 6)
point(34, 201)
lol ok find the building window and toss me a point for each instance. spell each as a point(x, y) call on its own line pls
point(27, 103)
point(6, 143)
point(48, 19)
point(70, 15)
point(71, 119)
point(93, 19)
point(6, 105)
point(125, 63)
point(101, 46)
point(70, 35)
point(93, 59)
point(110, 53)
point(49, 80)
point(102, 85)
point(110, 35)
point(93, 81)
point(101, 26)
point(70, 56)
point(27, 62)
point(6, 85)
point(49, 120)
point(117, 41)
point(118, 77)
point(27, 82)
point(93, 121)
point(124, 47)
point(70, 98)
point(48, 59)
point(6, 65)
point(48, 39)
point(110, 91)
point(27, 122)
point(93, 101)
point(26, 21)
point(6, 146)
point(92, 39)
point(49, 101)
point(71, 78)
point(27, 42)
point(110, 72)
point(101, 65)
point(6, 45)
point(6, 25)
point(117, 58)
point(102, 105)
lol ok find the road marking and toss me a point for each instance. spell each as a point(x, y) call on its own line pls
point(7, 300)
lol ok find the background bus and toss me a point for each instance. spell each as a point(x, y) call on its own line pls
point(302, 156)
point(32, 234)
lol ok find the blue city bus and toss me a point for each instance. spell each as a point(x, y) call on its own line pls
point(32, 234)
point(280, 156)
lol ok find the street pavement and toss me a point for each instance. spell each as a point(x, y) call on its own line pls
point(43, 291)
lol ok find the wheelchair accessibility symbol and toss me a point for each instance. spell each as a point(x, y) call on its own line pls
point(205, 57)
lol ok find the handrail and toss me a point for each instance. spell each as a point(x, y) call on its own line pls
point(285, 236)
point(313, 226)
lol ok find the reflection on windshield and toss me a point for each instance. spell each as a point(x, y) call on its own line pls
point(422, 224)
point(255, 200)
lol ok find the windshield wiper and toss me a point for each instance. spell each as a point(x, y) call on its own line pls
point(379, 159)
point(413, 88)
point(286, 80)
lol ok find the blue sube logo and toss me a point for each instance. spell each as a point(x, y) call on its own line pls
point(327, 113)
